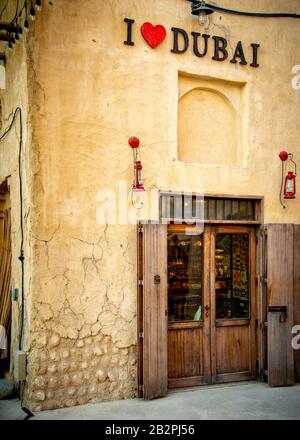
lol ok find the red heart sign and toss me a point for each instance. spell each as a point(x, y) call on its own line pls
point(154, 35)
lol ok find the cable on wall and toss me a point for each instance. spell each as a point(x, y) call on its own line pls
point(250, 14)
point(281, 186)
point(18, 112)
point(14, 27)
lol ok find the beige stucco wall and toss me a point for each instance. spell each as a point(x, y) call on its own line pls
point(88, 92)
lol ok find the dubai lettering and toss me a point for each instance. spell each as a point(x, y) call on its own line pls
point(197, 42)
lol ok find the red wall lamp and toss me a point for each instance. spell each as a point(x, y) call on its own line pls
point(288, 183)
point(134, 143)
point(138, 182)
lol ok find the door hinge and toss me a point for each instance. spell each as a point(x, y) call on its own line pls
point(140, 229)
point(141, 388)
point(141, 282)
point(256, 323)
point(141, 334)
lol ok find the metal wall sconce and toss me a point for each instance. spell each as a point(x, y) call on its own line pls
point(288, 183)
point(199, 8)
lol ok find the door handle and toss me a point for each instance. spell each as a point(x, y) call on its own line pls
point(206, 310)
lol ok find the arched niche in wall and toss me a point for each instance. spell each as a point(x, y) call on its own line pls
point(207, 128)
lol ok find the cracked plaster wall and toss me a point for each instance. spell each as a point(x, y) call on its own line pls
point(88, 93)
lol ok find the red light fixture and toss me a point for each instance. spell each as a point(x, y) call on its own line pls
point(283, 155)
point(137, 186)
point(288, 184)
point(134, 142)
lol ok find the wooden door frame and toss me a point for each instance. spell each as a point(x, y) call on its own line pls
point(140, 307)
point(207, 229)
point(262, 348)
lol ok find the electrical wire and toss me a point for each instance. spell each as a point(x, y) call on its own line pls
point(3, 9)
point(281, 187)
point(28, 412)
point(135, 158)
point(292, 160)
point(17, 112)
point(251, 14)
point(18, 12)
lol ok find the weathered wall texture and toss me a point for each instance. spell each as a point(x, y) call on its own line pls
point(88, 92)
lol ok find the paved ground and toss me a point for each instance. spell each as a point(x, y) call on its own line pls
point(250, 400)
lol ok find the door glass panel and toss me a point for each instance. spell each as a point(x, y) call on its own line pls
point(185, 277)
point(220, 209)
point(205, 209)
point(212, 209)
point(243, 210)
point(195, 207)
point(235, 210)
point(232, 276)
point(227, 210)
point(250, 211)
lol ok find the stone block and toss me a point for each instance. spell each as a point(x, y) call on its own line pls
point(52, 368)
point(101, 375)
point(54, 341)
point(38, 396)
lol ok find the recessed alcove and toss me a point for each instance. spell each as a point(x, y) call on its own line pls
point(211, 122)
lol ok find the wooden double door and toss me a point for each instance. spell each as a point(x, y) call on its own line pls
point(211, 305)
point(196, 305)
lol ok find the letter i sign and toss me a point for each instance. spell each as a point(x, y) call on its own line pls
point(153, 35)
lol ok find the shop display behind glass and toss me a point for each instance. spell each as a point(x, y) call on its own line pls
point(232, 276)
point(185, 277)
